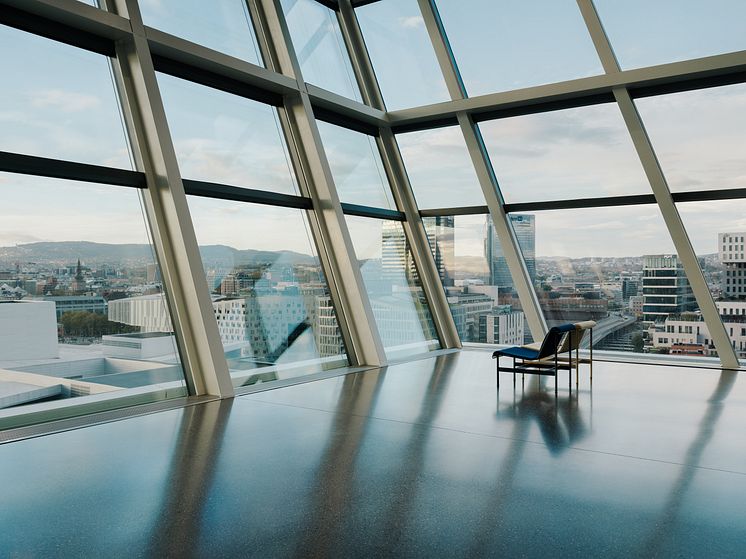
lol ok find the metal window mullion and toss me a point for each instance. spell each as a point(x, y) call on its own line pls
point(662, 193)
point(332, 237)
point(505, 233)
point(401, 188)
point(485, 174)
point(676, 229)
point(166, 206)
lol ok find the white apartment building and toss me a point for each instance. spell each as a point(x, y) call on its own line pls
point(733, 256)
point(690, 328)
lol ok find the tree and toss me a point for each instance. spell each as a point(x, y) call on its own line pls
point(637, 342)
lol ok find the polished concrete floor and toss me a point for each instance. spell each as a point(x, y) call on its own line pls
point(424, 459)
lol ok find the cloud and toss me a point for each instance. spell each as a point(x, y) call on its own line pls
point(411, 22)
point(66, 101)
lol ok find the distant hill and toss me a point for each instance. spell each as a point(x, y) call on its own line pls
point(68, 252)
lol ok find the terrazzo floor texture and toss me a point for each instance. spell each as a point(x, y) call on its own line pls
point(422, 459)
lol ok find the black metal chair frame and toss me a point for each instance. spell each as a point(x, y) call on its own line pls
point(538, 364)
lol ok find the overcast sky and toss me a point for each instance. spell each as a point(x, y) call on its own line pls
point(61, 104)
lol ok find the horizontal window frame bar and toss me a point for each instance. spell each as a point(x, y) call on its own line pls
point(361, 3)
point(372, 212)
point(57, 31)
point(232, 193)
point(70, 170)
point(215, 81)
point(709, 195)
point(331, 4)
point(585, 203)
point(464, 210)
point(710, 71)
point(344, 121)
point(578, 203)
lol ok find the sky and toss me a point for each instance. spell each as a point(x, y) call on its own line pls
point(61, 103)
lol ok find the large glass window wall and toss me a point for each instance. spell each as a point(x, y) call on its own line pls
point(393, 285)
point(274, 312)
point(320, 47)
point(60, 105)
point(223, 138)
point(222, 25)
point(83, 315)
point(58, 101)
point(514, 44)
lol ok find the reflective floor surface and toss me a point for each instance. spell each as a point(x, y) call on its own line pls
point(424, 459)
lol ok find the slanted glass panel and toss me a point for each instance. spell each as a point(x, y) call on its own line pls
point(616, 266)
point(220, 137)
point(58, 101)
point(476, 279)
point(356, 167)
point(560, 155)
point(699, 137)
point(222, 25)
point(513, 44)
point(391, 280)
point(83, 318)
point(717, 230)
point(440, 168)
point(402, 54)
point(320, 47)
point(644, 33)
point(270, 298)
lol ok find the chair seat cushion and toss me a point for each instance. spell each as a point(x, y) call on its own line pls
point(517, 352)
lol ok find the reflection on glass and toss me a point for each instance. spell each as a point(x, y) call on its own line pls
point(645, 33)
point(475, 276)
point(699, 137)
point(717, 231)
point(222, 25)
point(509, 45)
point(399, 306)
point(320, 47)
point(82, 312)
point(440, 169)
point(270, 298)
point(573, 153)
point(227, 139)
point(356, 166)
point(402, 55)
point(58, 101)
point(616, 266)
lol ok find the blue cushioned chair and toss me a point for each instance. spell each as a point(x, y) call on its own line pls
point(542, 361)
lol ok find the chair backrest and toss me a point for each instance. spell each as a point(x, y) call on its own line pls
point(553, 339)
point(572, 342)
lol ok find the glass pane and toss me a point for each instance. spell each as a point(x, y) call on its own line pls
point(58, 101)
point(645, 33)
point(356, 167)
point(573, 153)
point(699, 137)
point(82, 313)
point(320, 48)
point(616, 266)
point(402, 54)
point(475, 276)
point(270, 297)
point(227, 139)
point(440, 168)
point(717, 231)
point(399, 306)
point(514, 44)
point(222, 25)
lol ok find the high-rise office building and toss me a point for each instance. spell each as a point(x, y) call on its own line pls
point(396, 255)
point(525, 232)
point(665, 288)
